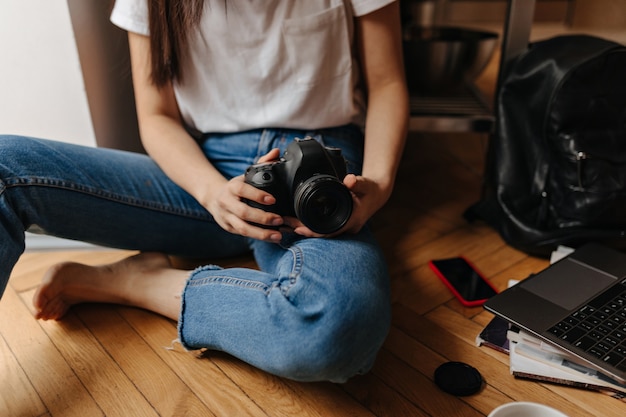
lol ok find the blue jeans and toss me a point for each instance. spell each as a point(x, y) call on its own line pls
point(318, 309)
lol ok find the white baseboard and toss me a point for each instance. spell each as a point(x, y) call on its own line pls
point(36, 242)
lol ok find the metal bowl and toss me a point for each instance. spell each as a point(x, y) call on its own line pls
point(444, 59)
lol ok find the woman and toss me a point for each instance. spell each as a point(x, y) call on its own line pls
point(251, 76)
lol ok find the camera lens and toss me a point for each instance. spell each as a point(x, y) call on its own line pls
point(323, 204)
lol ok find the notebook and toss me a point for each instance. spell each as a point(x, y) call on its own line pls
point(578, 304)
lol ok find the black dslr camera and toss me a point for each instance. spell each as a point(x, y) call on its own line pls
point(307, 183)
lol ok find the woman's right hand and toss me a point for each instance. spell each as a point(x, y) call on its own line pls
point(234, 215)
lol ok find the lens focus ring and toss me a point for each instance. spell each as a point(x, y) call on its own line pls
point(323, 204)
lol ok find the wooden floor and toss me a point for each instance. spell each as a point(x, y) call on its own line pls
point(114, 361)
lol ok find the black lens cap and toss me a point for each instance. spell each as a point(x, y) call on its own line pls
point(458, 378)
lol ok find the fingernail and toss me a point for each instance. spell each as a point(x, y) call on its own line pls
point(277, 221)
point(275, 237)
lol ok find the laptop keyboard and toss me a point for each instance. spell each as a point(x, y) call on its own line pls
point(599, 327)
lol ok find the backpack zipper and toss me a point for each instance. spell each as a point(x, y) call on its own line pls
point(580, 157)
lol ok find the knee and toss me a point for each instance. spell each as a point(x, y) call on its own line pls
point(13, 149)
point(340, 345)
point(16, 145)
point(9, 143)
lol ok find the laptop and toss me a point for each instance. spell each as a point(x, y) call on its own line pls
point(577, 304)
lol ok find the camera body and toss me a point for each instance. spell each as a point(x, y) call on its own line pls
point(307, 182)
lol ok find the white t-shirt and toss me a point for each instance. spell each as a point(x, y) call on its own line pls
point(270, 63)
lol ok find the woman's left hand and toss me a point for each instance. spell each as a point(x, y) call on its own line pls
point(367, 198)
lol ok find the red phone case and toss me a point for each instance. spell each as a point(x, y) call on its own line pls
point(466, 303)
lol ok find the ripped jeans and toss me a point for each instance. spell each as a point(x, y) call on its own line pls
point(318, 309)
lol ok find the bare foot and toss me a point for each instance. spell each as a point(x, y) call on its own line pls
point(145, 280)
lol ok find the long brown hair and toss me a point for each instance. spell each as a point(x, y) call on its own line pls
point(170, 24)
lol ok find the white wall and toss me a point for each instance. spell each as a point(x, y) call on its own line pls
point(41, 86)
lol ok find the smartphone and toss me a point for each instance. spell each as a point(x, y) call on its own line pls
point(464, 280)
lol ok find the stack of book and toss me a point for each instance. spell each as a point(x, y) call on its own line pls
point(535, 359)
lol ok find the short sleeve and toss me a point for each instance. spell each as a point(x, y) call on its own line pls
point(131, 15)
point(363, 7)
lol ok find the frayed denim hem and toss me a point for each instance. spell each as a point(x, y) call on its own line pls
point(181, 317)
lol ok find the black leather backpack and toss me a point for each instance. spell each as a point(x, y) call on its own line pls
point(556, 164)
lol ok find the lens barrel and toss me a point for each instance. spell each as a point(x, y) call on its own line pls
point(323, 203)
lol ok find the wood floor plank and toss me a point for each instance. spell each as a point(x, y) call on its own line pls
point(157, 382)
point(327, 399)
point(272, 394)
point(29, 262)
point(466, 331)
point(420, 290)
point(473, 241)
point(494, 262)
point(519, 271)
point(422, 228)
point(318, 399)
point(426, 361)
point(18, 397)
point(249, 384)
point(50, 374)
point(114, 392)
point(380, 398)
point(419, 389)
point(215, 389)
